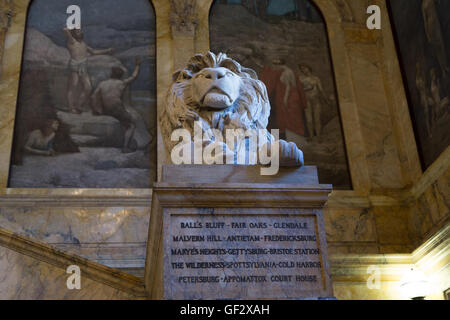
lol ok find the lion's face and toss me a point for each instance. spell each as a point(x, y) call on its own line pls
point(216, 88)
point(218, 91)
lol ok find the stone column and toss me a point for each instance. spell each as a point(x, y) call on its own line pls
point(183, 21)
point(6, 13)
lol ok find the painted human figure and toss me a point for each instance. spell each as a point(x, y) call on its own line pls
point(40, 141)
point(423, 96)
point(315, 98)
point(286, 97)
point(434, 34)
point(107, 100)
point(288, 79)
point(79, 77)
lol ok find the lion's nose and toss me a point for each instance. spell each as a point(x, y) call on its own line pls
point(214, 74)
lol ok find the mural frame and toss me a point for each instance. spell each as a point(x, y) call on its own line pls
point(11, 67)
point(346, 13)
point(346, 100)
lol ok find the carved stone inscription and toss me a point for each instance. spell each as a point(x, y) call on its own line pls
point(242, 256)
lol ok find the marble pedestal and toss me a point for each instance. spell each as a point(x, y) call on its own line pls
point(226, 232)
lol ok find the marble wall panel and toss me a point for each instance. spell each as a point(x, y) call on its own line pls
point(392, 228)
point(432, 207)
point(376, 127)
point(342, 224)
point(78, 225)
point(25, 278)
point(112, 236)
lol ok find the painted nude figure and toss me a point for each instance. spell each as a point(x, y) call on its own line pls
point(107, 100)
point(79, 77)
point(40, 141)
point(315, 97)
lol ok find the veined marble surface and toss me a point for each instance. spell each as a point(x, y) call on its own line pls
point(349, 224)
point(25, 278)
point(78, 225)
point(433, 207)
point(112, 236)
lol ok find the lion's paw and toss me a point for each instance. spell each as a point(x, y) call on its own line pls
point(290, 154)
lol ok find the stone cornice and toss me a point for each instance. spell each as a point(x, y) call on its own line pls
point(249, 195)
point(75, 197)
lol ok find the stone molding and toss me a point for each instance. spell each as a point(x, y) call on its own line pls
point(209, 195)
point(66, 198)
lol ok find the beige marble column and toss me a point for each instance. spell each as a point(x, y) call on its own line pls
point(183, 22)
point(202, 34)
point(11, 59)
point(398, 104)
point(6, 13)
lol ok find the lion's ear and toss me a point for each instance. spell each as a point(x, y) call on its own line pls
point(181, 75)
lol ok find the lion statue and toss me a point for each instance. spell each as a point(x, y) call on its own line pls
point(216, 93)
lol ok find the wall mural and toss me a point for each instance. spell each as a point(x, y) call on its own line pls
point(86, 112)
point(422, 29)
point(285, 42)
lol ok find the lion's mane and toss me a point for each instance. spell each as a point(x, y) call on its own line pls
point(250, 111)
